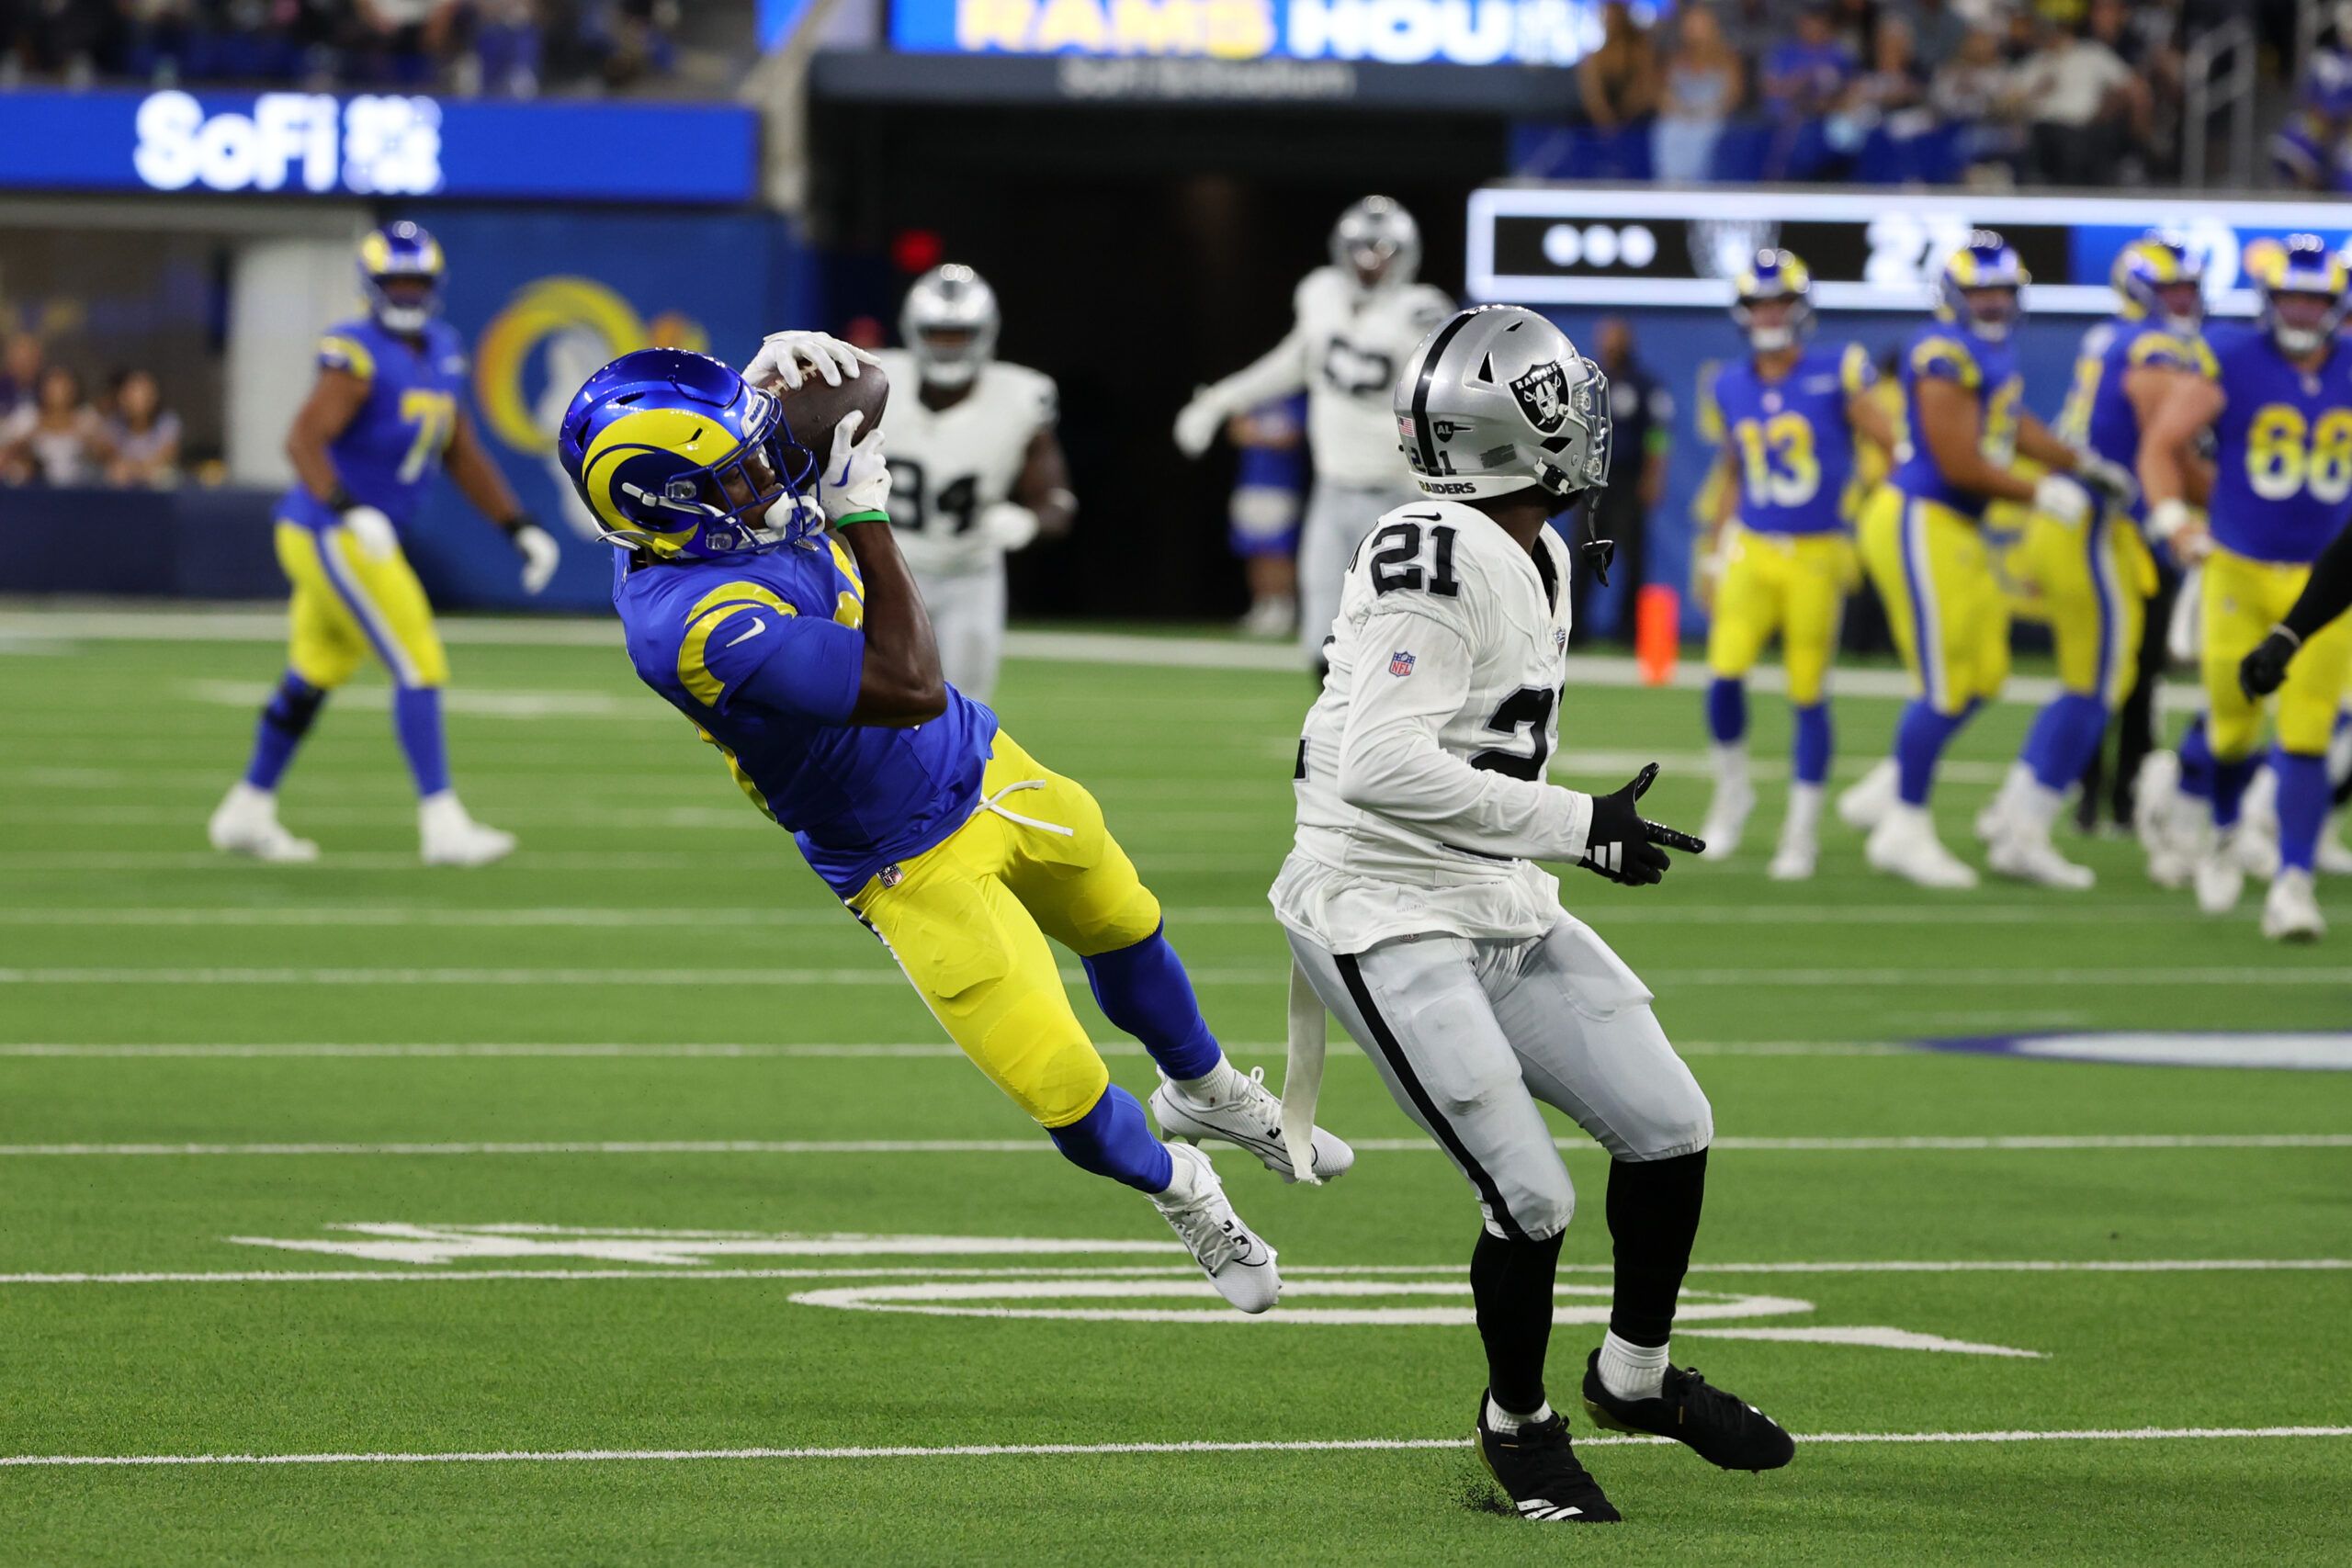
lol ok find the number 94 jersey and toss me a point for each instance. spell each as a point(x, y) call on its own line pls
point(393, 446)
point(2282, 459)
point(949, 464)
point(1449, 632)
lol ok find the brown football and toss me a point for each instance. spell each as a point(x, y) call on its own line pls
point(813, 410)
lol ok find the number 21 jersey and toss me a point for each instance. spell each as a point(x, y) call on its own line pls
point(1448, 631)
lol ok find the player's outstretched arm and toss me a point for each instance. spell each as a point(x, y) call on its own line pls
point(898, 684)
point(2189, 406)
point(335, 399)
point(1952, 425)
point(2327, 594)
point(479, 478)
point(1277, 373)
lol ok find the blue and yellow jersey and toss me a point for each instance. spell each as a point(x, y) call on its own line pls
point(763, 653)
point(1950, 352)
point(2282, 458)
point(393, 446)
point(2098, 415)
point(1789, 438)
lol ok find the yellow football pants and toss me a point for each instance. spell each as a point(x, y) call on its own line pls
point(1791, 585)
point(2094, 580)
point(350, 601)
point(1943, 603)
point(2244, 598)
point(967, 920)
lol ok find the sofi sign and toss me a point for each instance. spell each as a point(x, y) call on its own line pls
point(368, 146)
point(1396, 32)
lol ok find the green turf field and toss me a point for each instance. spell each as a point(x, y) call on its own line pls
point(366, 1161)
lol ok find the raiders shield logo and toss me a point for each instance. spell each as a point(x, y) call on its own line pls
point(1543, 396)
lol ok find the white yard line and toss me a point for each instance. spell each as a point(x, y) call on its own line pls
point(2025, 1143)
point(445, 1276)
point(843, 1050)
point(1257, 974)
point(1044, 1450)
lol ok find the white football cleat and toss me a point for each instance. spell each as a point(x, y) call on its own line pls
point(2220, 874)
point(449, 836)
point(1237, 1261)
point(1727, 816)
point(1867, 801)
point(1905, 845)
point(2257, 847)
point(1999, 814)
point(245, 823)
point(1248, 1117)
point(2025, 852)
point(2335, 857)
point(1793, 861)
point(2158, 821)
point(2290, 912)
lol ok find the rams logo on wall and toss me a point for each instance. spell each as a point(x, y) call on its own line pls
point(552, 335)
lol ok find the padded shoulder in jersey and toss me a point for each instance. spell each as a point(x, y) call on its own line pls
point(1031, 391)
point(2165, 351)
point(735, 631)
point(348, 347)
point(1437, 559)
point(1322, 292)
point(1855, 372)
point(1945, 355)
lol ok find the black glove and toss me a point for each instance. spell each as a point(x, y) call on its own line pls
point(2261, 671)
point(1622, 846)
point(1598, 551)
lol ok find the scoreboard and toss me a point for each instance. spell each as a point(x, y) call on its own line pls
point(1649, 246)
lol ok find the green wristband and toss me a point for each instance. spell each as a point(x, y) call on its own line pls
point(843, 523)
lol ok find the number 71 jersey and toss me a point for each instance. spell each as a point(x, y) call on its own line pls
point(389, 453)
point(1447, 628)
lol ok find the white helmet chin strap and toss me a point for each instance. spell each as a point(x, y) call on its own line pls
point(404, 318)
point(950, 372)
point(1771, 340)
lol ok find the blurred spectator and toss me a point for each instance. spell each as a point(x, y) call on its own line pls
point(2310, 150)
point(1937, 27)
point(1892, 84)
point(504, 48)
point(2090, 114)
point(142, 436)
point(1753, 26)
point(1641, 413)
point(55, 440)
point(1619, 81)
point(1803, 79)
point(1702, 90)
point(1972, 92)
point(20, 364)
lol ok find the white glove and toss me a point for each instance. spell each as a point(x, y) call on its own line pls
point(2059, 498)
point(1007, 525)
point(540, 552)
point(372, 532)
point(785, 358)
point(856, 476)
point(1197, 424)
point(2172, 524)
point(2111, 479)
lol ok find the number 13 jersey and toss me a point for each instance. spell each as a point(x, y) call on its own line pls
point(1420, 777)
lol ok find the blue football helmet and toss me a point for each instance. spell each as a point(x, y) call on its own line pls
point(1774, 275)
point(678, 456)
point(2302, 264)
point(2148, 266)
point(1985, 261)
point(394, 251)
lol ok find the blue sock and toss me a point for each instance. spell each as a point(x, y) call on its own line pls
point(1728, 710)
point(1113, 1140)
point(416, 717)
point(1813, 744)
point(2302, 808)
point(2197, 761)
point(283, 724)
point(2229, 780)
point(2064, 737)
point(1144, 991)
point(1919, 740)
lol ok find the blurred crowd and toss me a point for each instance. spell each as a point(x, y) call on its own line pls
point(1989, 92)
point(53, 431)
point(508, 47)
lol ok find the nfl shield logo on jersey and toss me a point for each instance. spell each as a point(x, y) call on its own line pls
point(1400, 664)
point(1542, 395)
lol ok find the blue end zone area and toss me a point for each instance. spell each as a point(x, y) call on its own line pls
point(2149, 1048)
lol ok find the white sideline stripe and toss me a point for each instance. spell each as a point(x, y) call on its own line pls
point(2029, 1142)
point(667, 1273)
point(912, 1049)
point(1042, 1450)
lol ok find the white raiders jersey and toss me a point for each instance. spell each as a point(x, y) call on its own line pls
point(948, 465)
point(1422, 796)
point(1355, 344)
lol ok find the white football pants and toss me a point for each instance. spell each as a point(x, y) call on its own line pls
point(1338, 517)
point(967, 617)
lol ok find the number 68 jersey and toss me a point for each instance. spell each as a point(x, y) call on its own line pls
point(1421, 777)
point(2282, 462)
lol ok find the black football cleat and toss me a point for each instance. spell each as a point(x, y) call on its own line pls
point(1536, 1467)
point(1721, 1427)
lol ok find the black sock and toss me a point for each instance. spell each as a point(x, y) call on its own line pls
point(1511, 1283)
point(1653, 1219)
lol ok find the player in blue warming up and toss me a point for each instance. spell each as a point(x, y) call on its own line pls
point(763, 597)
point(384, 416)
